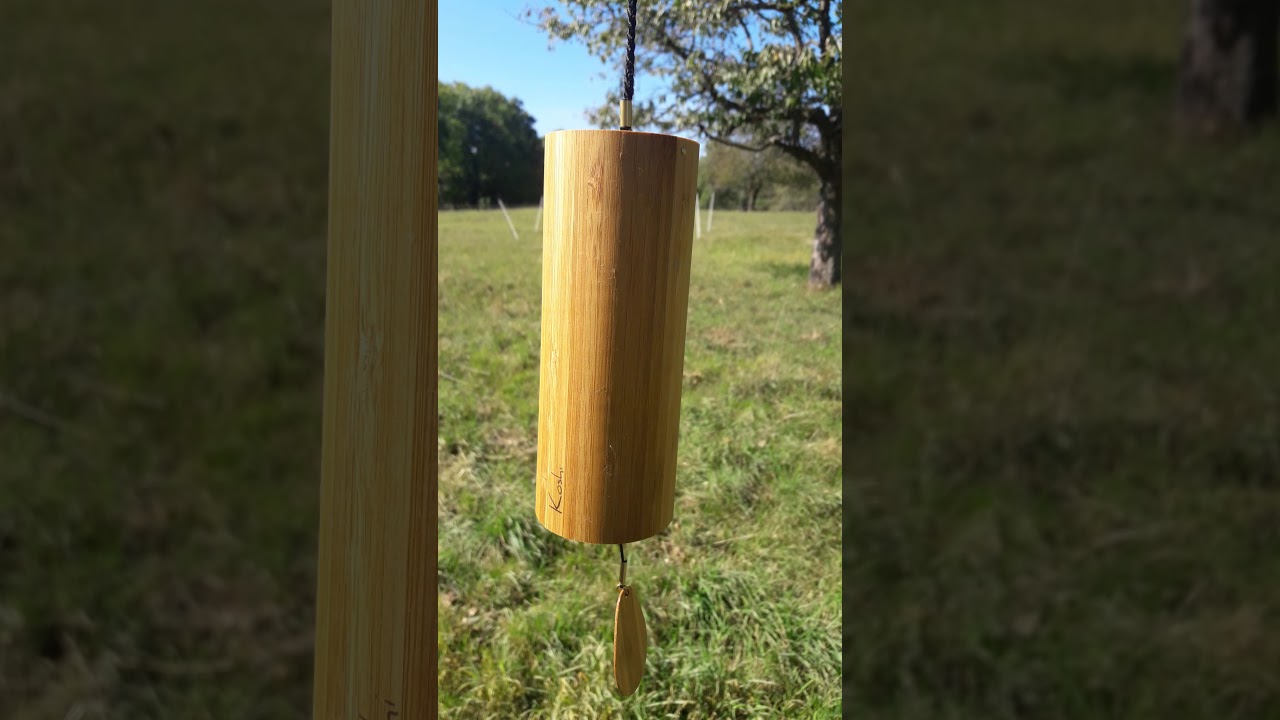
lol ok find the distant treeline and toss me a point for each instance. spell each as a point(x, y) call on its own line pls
point(488, 149)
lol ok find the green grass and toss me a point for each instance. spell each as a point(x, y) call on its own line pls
point(742, 593)
point(1063, 410)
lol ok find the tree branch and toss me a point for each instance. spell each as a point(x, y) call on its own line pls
point(788, 13)
point(751, 45)
point(734, 143)
point(824, 26)
point(819, 164)
point(801, 153)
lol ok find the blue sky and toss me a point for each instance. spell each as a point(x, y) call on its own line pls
point(484, 42)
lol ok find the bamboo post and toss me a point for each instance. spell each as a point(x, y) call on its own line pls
point(375, 604)
point(615, 290)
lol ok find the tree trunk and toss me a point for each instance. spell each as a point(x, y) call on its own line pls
point(752, 194)
point(1228, 76)
point(824, 267)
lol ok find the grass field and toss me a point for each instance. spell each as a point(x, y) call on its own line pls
point(1060, 345)
point(742, 594)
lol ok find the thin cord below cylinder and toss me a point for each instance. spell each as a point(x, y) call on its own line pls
point(622, 567)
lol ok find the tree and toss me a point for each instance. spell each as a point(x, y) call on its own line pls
point(488, 148)
point(731, 69)
point(740, 176)
point(1228, 75)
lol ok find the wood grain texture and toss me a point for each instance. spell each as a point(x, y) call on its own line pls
point(630, 641)
point(618, 234)
point(376, 606)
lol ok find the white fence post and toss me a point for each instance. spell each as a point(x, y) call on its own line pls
point(697, 216)
point(510, 224)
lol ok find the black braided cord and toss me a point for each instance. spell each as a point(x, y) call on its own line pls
point(629, 72)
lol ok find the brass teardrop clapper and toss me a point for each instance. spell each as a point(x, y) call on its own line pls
point(629, 637)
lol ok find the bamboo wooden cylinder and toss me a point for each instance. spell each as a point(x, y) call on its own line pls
point(376, 590)
point(617, 240)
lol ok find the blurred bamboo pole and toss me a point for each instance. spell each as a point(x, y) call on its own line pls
point(375, 608)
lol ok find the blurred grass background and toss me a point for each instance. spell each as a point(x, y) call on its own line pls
point(1063, 409)
point(162, 206)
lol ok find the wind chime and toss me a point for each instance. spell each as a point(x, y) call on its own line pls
point(617, 241)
